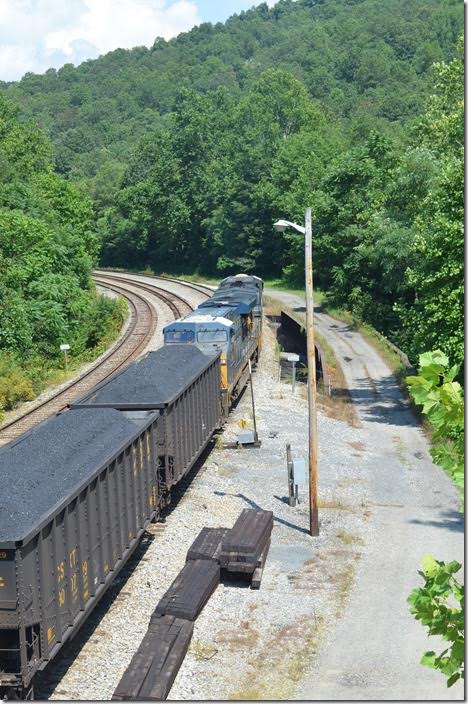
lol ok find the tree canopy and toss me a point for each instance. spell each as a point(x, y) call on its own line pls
point(190, 150)
point(365, 61)
point(47, 251)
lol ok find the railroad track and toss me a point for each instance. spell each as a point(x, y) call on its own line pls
point(142, 325)
point(200, 288)
point(179, 306)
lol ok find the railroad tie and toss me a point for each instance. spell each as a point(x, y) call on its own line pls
point(190, 590)
point(244, 545)
point(241, 549)
point(207, 544)
point(154, 666)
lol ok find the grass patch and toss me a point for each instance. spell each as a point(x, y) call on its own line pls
point(345, 581)
point(280, 285)
point(349, 539)
point(275, 673)
point(202, 651)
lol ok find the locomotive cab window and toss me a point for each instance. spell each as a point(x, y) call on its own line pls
point(211, 336)
point(180, 336)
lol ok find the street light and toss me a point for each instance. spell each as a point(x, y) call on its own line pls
point(281, 226)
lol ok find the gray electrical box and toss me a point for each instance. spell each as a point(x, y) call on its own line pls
point(299, 470)
point(246, 437)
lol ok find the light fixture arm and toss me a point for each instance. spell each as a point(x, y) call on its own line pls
point(281, 226)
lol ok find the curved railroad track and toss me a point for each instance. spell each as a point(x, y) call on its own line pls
point(178, 306)
point(200, 288)
point(139, 331)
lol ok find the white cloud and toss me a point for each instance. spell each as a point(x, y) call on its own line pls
point(38, 34)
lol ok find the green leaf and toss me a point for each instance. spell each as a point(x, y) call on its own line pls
point(430, 566)
point(458, 651)
point(429, 659)
point(451, 680)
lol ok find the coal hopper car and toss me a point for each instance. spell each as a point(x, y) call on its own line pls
point(181, 385)
point(82, 487)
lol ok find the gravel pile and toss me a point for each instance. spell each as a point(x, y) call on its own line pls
point(246, 644)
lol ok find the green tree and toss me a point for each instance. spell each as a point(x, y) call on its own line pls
point(47, 250)
point(440, 603)
point(436, 274)
point(440, 606)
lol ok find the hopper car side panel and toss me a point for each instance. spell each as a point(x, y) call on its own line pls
point(183, 386)
point(189, 422)
point(49, 583)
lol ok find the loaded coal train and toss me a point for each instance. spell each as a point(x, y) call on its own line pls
point(81, 487)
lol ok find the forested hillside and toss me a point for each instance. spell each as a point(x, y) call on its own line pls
point(366, 61)
point(47, 252)
point(191, 149)
point(203, 193)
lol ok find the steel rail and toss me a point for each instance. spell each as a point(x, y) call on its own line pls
point(200, 288)
point(173, 300)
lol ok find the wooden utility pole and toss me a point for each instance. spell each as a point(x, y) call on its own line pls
point(253, 402)
point(311, 385)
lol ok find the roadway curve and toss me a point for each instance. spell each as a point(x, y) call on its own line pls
point(374, 651)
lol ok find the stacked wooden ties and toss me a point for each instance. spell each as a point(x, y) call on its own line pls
point(190, 590)
point(245, 547)
point(154, 666)
point(207, 545)
point(241, 549)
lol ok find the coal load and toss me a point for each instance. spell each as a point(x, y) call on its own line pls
point(190, 590)
point(153, 381)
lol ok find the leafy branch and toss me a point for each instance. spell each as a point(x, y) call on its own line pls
point(441, 398)
point(440, 605)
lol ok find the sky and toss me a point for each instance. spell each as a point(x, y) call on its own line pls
point(39, 34)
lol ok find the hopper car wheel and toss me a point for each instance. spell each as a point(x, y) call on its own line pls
point(17, 693)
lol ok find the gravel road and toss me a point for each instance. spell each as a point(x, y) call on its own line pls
point(373, 651)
